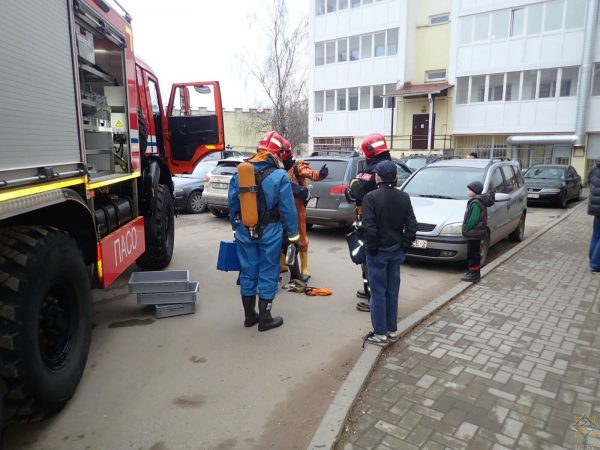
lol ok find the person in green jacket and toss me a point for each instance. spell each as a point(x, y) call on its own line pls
point(475, 227)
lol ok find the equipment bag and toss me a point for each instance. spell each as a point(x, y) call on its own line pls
point(356, 246)
point(228, 258)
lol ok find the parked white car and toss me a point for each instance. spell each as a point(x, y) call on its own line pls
point(216, 186)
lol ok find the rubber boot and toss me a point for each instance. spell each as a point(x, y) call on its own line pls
point(304, 264)
point(471, 276)
point(284, 267)
point(249, 302)
point(295, 272)
point(265, 321)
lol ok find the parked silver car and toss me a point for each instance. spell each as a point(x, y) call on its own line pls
point(216, 186)
point(438, 193)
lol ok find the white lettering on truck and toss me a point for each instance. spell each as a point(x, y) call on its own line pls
point(125, 245)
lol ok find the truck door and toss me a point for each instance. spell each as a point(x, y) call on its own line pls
point(195, 122)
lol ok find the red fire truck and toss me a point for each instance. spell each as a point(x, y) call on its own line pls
point(86, 157)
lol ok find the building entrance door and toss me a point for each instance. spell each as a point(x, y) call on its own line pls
point(420, 129)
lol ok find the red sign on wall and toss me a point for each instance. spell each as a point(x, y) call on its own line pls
point(121, 248)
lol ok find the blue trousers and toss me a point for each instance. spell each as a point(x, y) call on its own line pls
point(384, 280)
point(595, 246)
point(259, 261)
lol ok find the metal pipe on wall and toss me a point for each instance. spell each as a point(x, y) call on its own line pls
point(430, 125)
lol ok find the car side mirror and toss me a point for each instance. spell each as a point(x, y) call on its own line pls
point(501, 197)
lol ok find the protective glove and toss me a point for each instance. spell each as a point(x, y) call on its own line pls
point(323, 172)
point(294, 239)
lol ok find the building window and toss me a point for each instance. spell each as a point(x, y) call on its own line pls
point(534, 18)
point(439, 19)
point(319, 54)
point(365, 97)
point(435, 75)
point(478, 89)
point(379, 40)
point(466, 29)
point(596, 80)
point(319, 7)
point(353, 99)
point(481, 27)
point(329, 100)
point(354, 51)
point(331, 5)
point(366, 44)
point(517, 22)
point(355, 3)
point(513, 80)
point(500, 24)
point(377, 97)
point(553, 15)
point(495, 87)
point(575, 14)
point(330, 52)
point(390, 102)
point(568, 81)
point(342, 47)
point(462, 90)
point(341, 99)
point(547, 83)
point(529, 84)
point(392, 41)
point(319, 101)
point(366, 2)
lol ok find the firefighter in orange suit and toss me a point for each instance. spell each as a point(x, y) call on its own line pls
point(299, 173)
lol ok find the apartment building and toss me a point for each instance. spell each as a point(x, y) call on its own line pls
point(523, 74)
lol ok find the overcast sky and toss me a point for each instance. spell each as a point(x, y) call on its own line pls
point(204, 40)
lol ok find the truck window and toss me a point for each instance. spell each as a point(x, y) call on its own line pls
point(154, 97)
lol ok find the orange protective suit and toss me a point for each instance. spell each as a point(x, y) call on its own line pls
point(304, 174)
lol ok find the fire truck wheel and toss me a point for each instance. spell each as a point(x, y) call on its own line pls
point(142, 132)
point(160, 232)
point(45, 320)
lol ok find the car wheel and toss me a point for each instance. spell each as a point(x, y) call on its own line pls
point(195, 204)
point(519, 234)
point(484, 249)
point(580, 195)
point(219, 212)
point(563, 200)
point(309, 226)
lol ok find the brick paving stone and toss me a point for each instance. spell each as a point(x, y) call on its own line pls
point(508, 364)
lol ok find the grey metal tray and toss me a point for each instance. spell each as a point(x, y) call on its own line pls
point(177, 309)
point(170, 298)
point(160, 281)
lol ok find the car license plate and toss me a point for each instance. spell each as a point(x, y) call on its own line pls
point(220, 185)
point(419, 243)
point(533, 195)
point(312, 203)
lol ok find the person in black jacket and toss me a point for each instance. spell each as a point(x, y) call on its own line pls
point(388, 228)
point(594, 210)
point(376, 150)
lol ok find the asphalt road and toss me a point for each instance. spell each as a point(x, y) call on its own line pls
point(204, 381)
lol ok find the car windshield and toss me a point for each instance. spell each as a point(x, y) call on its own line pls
point(443, 182)
point(546, 173)
point(415, 163)
point(337, 168)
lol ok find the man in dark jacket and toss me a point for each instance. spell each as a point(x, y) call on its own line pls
point(388, 228)
point(376, 150)
point(594, 210)
point(475, 227)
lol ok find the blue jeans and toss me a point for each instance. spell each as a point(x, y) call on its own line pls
point(595, 246)
point(384, 280)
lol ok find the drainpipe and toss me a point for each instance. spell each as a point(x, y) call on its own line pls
point(429, 131)
point(392, 126)
point(583, 93)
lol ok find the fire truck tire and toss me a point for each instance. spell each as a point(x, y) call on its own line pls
point(142, 132)
point(45, 320)
point(160, 232)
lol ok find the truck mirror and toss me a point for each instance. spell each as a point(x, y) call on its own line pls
point(202, 89)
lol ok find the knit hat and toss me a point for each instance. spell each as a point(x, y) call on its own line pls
point(476, 187)
point(386, 170)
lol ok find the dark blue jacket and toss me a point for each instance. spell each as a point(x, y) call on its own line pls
point(594, 183)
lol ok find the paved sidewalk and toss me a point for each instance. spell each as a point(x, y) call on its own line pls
point(513, 362)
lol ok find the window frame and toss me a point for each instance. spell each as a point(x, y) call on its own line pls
point(429, 72)
point(438, 16)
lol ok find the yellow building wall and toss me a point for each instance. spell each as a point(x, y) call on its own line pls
point(243, 129)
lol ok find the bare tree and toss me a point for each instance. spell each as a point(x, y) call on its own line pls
point(283, 73)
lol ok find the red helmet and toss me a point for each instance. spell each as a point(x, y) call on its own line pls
point(272, 142)
point(373, 145)
point(286, 154)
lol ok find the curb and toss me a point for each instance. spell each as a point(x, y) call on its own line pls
point(335, 417)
